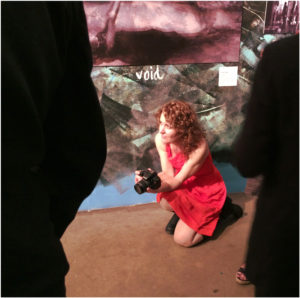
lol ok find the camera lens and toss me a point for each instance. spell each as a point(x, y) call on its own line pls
point(138, 189)
point(141, 186)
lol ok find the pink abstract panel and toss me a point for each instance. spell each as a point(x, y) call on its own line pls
point(282, 17)
point(147, 33)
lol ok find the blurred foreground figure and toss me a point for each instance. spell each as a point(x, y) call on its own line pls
point(269, 145)
point(53, 140)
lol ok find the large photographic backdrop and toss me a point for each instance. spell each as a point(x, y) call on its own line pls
point(130, 96)
point(164, 32)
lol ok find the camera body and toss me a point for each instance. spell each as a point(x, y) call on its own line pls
point(150, 179)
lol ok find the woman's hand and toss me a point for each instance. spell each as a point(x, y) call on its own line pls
point(166, 183)
point(137, 177)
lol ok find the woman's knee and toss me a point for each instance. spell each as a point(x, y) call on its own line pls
point(187, 240)
point(165, 205)
point(182, 240)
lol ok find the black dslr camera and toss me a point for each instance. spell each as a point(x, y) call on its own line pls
point(150, 179)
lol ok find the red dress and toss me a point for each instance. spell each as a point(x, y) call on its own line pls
point(199, 199)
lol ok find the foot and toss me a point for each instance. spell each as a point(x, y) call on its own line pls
point(241, 277)
point(231, 211)
point(237, 211)
point(170, 228)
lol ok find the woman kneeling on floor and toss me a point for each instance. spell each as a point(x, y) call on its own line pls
point(191, 186)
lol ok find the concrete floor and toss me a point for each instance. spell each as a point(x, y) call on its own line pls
point(125, 252)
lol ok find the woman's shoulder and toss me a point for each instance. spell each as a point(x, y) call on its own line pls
point(201, 150)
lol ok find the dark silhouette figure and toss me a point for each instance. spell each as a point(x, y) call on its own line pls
point(269, 145)
point(53, 140)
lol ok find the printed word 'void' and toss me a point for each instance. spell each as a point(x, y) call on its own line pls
point(149, 74)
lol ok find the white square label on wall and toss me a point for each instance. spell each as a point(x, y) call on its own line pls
point(228, 75)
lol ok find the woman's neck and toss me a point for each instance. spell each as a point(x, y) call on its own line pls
point(175, 148)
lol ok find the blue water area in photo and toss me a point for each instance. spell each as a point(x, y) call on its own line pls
point(233, 180)
point(109, 196)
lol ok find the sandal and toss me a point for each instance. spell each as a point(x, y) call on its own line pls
point(241, 277)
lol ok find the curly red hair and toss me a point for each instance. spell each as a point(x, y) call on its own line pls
point(183, 118)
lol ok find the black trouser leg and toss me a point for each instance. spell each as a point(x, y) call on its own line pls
point(55, 290)
point(277, 289)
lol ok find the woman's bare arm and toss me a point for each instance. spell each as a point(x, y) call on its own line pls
point(191, 166)
point(166, 166)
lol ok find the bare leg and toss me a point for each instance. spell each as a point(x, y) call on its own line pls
point(165, 205)
point(186, 236)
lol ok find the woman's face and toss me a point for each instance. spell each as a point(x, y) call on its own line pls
point(167, 132)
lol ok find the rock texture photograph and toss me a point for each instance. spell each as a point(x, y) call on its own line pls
point(164, 32)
